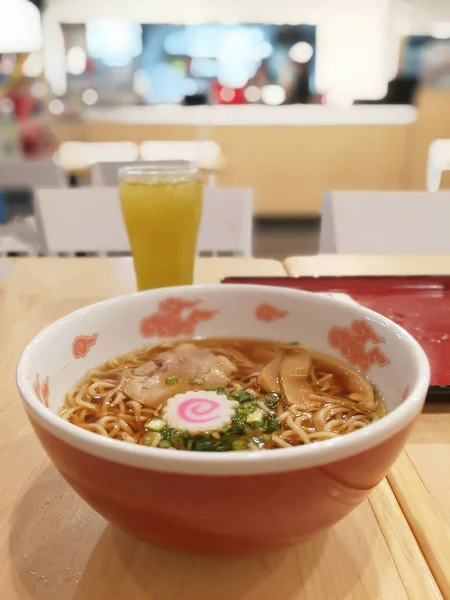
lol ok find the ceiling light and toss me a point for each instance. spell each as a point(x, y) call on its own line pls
point(20, 27)
point(273, 95)
point(441, 31)
point(141, 83)
point(252, 93)
point(90, 97)
point(190, 87)
point(38, 89)
point(7, 64)
point(227, 94)
point(6, 106)
point(56, 107)
point(76, 61)
point(33, 65)
point(301, 52)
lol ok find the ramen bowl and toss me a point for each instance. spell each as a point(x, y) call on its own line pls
point(227, 503)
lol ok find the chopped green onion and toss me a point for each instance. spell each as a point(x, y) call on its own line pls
point(238, 426)
point(219, 390)
point(164, 444)
point(239, 445)
point(149, 438)
point(203, 446)
point(178, 441)
point(255, 417)
point(219, 446)
point(167, 433)
point(257, 425)
point(244, 412)
point(241, 396)
point(173, 437)
point(271, 400)
point(171, 380)
point(155, 425)
point(250, 428)
point(272, 425)
point(258, 441)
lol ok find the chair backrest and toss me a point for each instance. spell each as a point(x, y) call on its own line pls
point(21, 236)
point(202, 152)
point(385, 222)
point(81, 220)
point(438, 161)
point(104, 174)
point(79, 155)
point(227, 221)
point(107, 173)
point(31, 174)
point(90, 220)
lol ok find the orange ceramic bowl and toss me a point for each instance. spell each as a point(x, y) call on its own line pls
point(237, 502)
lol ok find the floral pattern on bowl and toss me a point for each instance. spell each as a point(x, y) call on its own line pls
point(42, 391)
point(82, 344)
point(351, 343)
point(269, 313)
point(175, 316)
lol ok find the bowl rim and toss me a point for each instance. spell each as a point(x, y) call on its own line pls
point(228, 463)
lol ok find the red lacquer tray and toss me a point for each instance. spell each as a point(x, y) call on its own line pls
point(420, 304)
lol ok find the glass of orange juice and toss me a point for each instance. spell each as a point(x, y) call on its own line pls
point(162, 204)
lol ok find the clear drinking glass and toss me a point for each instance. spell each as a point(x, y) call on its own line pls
point(162, 204)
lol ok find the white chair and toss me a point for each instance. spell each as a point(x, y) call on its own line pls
point(438, 161)
point(21, 236)
point(31, 174)
point(226, 225)
point(104, 174)
point(80, 155)
point(205, 153)
point(81, 220)
point(385, 223)
point(90, 220)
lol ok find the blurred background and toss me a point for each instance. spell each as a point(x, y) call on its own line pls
point(298, 98)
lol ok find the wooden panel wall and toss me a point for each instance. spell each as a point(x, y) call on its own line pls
point(289, 168)
point(433, 122)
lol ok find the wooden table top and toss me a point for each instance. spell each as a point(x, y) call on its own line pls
point(368, 264)
point(421, 477)
point(53, 546)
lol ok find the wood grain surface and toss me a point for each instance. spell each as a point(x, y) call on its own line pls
point(421, 483)
point(53, 546)
point(368, 264)
point(421, 477)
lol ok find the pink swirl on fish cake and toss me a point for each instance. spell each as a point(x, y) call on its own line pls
point(201, 411)
point(194, 410)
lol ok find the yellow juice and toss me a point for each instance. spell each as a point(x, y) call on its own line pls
point(162, 217)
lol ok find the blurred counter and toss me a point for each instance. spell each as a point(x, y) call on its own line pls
point(256, 115)
point(289, 155)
